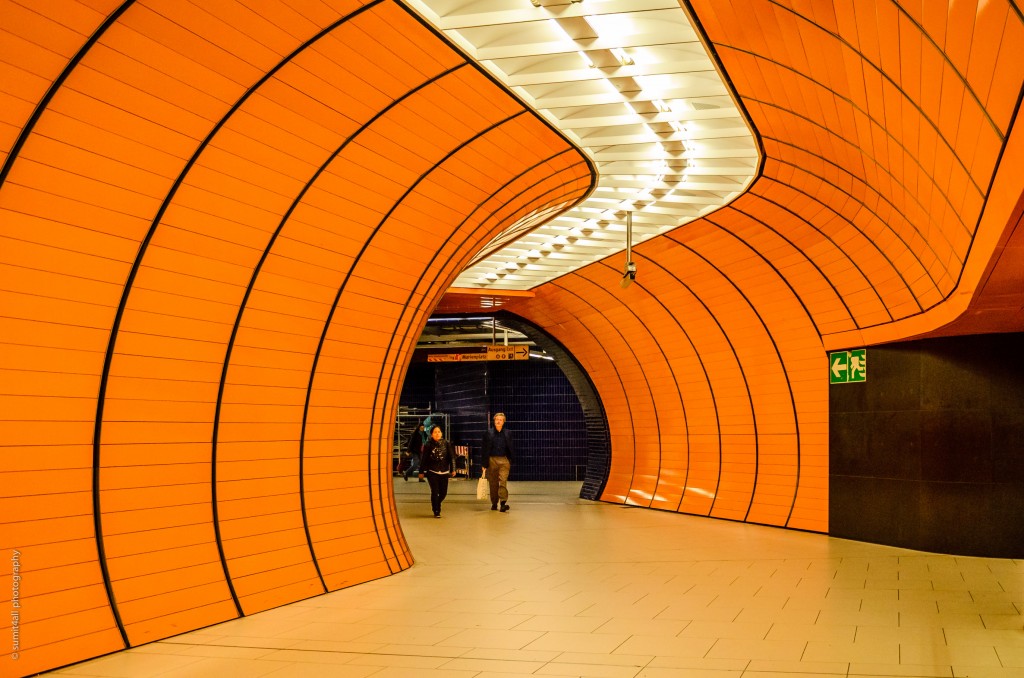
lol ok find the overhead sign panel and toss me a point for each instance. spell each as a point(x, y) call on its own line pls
point(493, 352)
point(456, 357)
point(508, 352)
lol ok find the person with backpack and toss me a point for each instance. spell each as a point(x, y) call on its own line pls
point(414, 448)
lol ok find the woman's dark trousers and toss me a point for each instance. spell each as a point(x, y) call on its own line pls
point(438, 489)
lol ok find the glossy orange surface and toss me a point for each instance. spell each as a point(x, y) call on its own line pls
point(223, 227)
point(219, 248)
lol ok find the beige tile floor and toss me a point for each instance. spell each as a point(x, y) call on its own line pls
point(560, 586)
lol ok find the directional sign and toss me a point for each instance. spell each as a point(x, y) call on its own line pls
point(858, 365)
point(495, 352)
point(847, 366)
point(456, 357)
point(839, 367)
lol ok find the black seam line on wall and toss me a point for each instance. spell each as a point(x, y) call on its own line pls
point(862, 181)
point(412, 311)
point(129, 283)
point(922, 269)
point(866, 114)
point(468, 241)
point(671, 369)
point(386, 405)
point(835, 248)
point(853, 262)
point(564, 356)
point(811, 261)
point(743, 373)
point(248, 292)
point(883, 198)
point(988, 189)
point(14, 155)
point(409, 337)
point(483, 254)
point(712, 50)
point(524, 104)
point(860, 201)
point(704, 370)
point(768, 262)
point(330, 316)
point(970, 246)
point(512, 95)
point(379, 500)
point(883, 167)
point(473, 242)
point(796, 419)
point(407, 307)
point(924, 35)
point(606, 471)
point(736, 358)
point(42, 105)
point(1017, 10)
point(753, 411)
point(703, 367)
point(614, 364)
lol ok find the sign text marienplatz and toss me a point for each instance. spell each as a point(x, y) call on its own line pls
point(493, 352)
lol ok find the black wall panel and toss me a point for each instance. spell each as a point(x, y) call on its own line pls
point(928, 453)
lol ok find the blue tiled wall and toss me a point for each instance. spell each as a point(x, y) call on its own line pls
point(418, 387)
point(542, 409)
point(459, 390)
point(545, 416)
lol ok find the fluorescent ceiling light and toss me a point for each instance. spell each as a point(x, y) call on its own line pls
point(656, 108)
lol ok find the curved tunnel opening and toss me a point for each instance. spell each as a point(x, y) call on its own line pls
point(552, 406)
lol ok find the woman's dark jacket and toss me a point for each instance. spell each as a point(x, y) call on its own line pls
point(437, 456)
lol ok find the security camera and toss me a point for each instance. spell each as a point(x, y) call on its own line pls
point(629, 276)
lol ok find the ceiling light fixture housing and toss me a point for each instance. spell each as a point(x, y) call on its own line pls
point(630, 83)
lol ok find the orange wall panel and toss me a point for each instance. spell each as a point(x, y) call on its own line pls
point(878, 153)
point(222, 243)
point(222, 237)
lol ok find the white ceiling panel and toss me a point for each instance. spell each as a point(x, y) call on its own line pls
point(631, 84)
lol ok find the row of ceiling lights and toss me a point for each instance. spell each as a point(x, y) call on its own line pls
point(631, 84)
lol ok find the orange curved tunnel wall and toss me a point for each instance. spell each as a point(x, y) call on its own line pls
point(220, 245)
point(886, 132)
point(222, 228)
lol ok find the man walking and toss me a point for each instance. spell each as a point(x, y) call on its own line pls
point(497, 461)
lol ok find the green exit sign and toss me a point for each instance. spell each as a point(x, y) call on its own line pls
point(847, 366)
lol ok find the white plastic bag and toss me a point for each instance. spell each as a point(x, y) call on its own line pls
point(483, 489)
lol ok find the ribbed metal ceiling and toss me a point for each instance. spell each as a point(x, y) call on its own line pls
point(632, 84)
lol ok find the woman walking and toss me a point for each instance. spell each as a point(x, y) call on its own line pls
point(437, 463)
